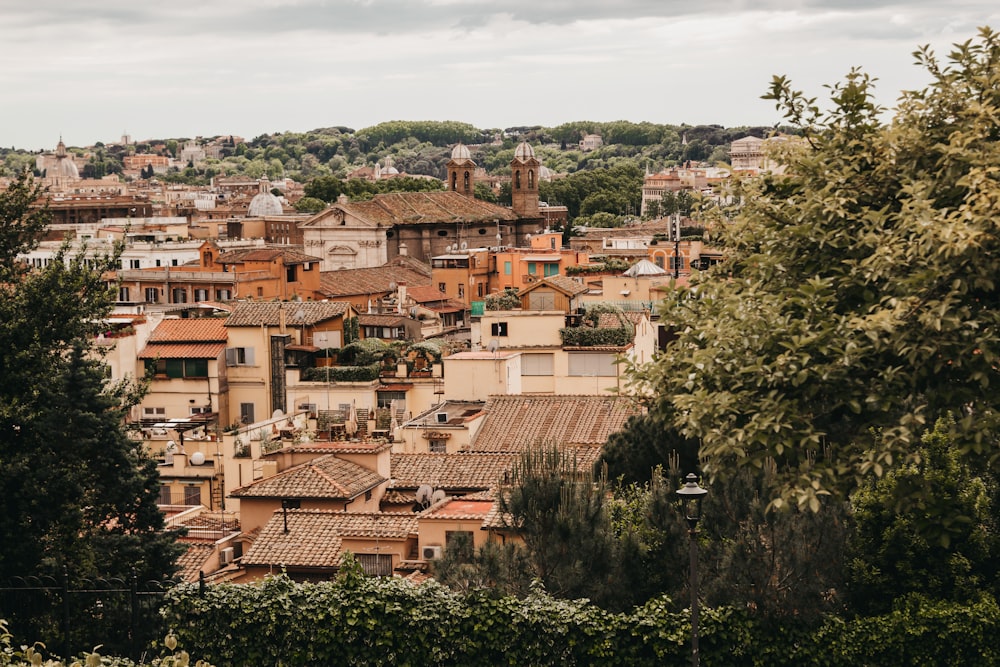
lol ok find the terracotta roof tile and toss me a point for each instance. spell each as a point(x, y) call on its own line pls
point(286, 255)
point(323, 477)
point(462, 471)
point(568, 285)
point(407, 208)
point(192, 561)
point(256, 313)
point(314, 537)
point(426, 293)
point(514, 423)
point(190, 330)
point(182, 351)
point(377, 280)
point(461, 509)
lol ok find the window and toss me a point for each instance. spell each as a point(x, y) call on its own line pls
point(375, 565)
point(173, 262)
point(223, 294)
point(201, 410)
point(498, 328)
point(134, 264)
point(179, 295)
point(157, 262)
point(152, 295)
point(460, 541)
point(461, 291)
point(123, 294)
point(385, 399)
point(201, 295)
point(507, 268)
point(592, 364)
point(178, 368)
point(164, 494)
point(550, 269)
point(260, 291)
point(154, 413)
point(479, 290)
point(536, 364)
point(239, 356)
point(676, 262)
point(441, 287)
point(439, 446)
point(192, 495)
point(290, 275)
point(658, 260)
point(531, 268)
point(246, 413)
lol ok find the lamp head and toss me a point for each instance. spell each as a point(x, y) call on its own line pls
point(691, 496)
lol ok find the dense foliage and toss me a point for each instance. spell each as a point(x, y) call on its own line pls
point(861, 298)
point(79, 495)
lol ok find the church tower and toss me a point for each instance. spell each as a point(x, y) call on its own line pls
point(461, 169)
point(524, 170)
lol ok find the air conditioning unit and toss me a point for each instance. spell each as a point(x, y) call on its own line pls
point(432, 553)
point(441, 417)
point(226, 556)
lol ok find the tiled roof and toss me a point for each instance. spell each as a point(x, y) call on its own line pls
point(377, 280)
point(382, 320)
point(449, 471)
point(256, 313)
point(425, 293)
point(338, 446)
point(408, 208)
point(323, 477)
point(461, 509)
point(514, 423)
point(190, 330)
point(568, 285)
point(314, 537)
point(287, 256)
point(193, 560)
point(182, 351)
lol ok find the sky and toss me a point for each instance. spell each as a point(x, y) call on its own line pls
point(93, 71)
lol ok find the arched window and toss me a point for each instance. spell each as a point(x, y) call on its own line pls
point(466, 182)
point(531, 179)
point(517, 179)
point(454, 181)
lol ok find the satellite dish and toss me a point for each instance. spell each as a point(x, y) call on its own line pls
point(493, 345)
point(277, 413)
point(424, 493)
point(197, 458)
point(438, 496)
point(171, 445)
point(463, 245)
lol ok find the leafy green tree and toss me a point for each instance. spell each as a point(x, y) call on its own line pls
point(925, 549)
point(78, 493)
point(860, 299)
point(325, 188)
point(310, 205)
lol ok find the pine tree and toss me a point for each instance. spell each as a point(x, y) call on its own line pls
point(78, 494)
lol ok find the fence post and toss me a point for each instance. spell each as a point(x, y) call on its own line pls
point(134, 615)
point(65, 613)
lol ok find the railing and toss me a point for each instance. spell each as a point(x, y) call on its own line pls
point(121, 615)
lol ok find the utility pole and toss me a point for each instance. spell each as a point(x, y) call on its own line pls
point(677, 245)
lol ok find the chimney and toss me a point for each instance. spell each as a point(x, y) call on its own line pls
point(403, 250)
point(401, 297)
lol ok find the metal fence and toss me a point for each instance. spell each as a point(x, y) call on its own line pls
point(122, 616)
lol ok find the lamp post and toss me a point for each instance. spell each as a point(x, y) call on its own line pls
point(691, 496)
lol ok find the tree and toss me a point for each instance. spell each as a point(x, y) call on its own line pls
point(78, 493)
point(309, 205)
point(894, 553)
point(860, 299)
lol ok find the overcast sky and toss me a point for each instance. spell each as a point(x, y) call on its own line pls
point(92, 71)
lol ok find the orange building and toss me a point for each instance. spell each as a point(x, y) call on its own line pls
point(256, 273)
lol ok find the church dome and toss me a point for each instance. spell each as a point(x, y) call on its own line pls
point(64, 167)
point(524, 151)
point(264, 203)
point(460, 152)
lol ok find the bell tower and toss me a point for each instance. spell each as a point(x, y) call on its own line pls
point(524, 170)
point(461, 169)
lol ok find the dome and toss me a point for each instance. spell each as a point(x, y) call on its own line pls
point(460, 152)
point(264, 203)
point(524, 151)
point(64, 167)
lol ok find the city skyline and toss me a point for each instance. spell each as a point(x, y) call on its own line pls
point(93, 73)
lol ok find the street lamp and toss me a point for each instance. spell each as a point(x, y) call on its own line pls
point(691, 496)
